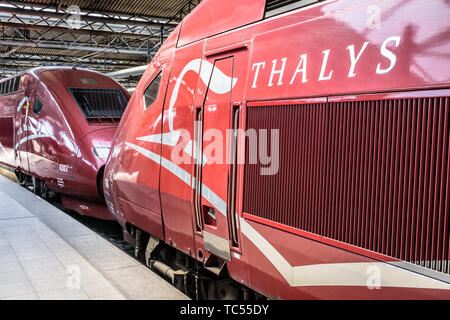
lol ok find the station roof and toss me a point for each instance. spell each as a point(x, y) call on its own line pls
point(106, 36)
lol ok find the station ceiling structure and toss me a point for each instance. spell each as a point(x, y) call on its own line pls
point(106, 36)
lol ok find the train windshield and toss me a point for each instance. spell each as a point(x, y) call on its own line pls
point(100, 103)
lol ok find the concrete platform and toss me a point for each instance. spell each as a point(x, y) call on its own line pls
point(45, 254)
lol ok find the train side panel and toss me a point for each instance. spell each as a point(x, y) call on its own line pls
point(9, 104)
point(361, 116)
point(45, 123)
point(334, 200)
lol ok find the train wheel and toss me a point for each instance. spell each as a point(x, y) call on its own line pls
point(45, 193)
point(36, 186)
point(21, 178)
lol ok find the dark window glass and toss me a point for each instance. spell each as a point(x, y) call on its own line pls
point(151, 93)
point(9, 86)
point(37, 106)
point(274, 7)
point(16, 84)
point(100, 103)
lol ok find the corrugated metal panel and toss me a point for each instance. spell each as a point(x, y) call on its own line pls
point(374, 174)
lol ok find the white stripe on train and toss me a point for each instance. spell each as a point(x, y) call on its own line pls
point(32, 137)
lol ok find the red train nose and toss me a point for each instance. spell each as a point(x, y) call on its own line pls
point(91, 159)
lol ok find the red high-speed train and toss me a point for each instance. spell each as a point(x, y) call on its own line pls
point(56, 129)
point(300, 148)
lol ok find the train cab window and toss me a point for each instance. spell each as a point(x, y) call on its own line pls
point(151, 93)
point(100, 103)
point(10, 86)
point(37, 106)
point(274, 7)
point(5, 87)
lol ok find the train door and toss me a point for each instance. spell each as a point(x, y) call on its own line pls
point(66, 163)
point(35, 149)
point(21, 132)
point(215, 174)
point(178, 123)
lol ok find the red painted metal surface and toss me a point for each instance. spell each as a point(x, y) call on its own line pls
point(232, 16)
point(363, 178)
point(57, 144)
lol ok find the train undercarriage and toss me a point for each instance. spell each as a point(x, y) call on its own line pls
point(182, 271)
point(185, 273)
point(37, 186)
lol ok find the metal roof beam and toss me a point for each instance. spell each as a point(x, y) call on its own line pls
point(50, 55)
point(107, 17)
point(59, 46)
point(136, 71)
point(104, 33)
point(20, 67)
point(20, 60)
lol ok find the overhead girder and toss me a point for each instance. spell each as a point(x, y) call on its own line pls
point(52, 55)
point(135, 71)
point(24, 60)
point(4, 68)
point(94, 32)
point(85, 18)
point(60, 46)
point(57, 59)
